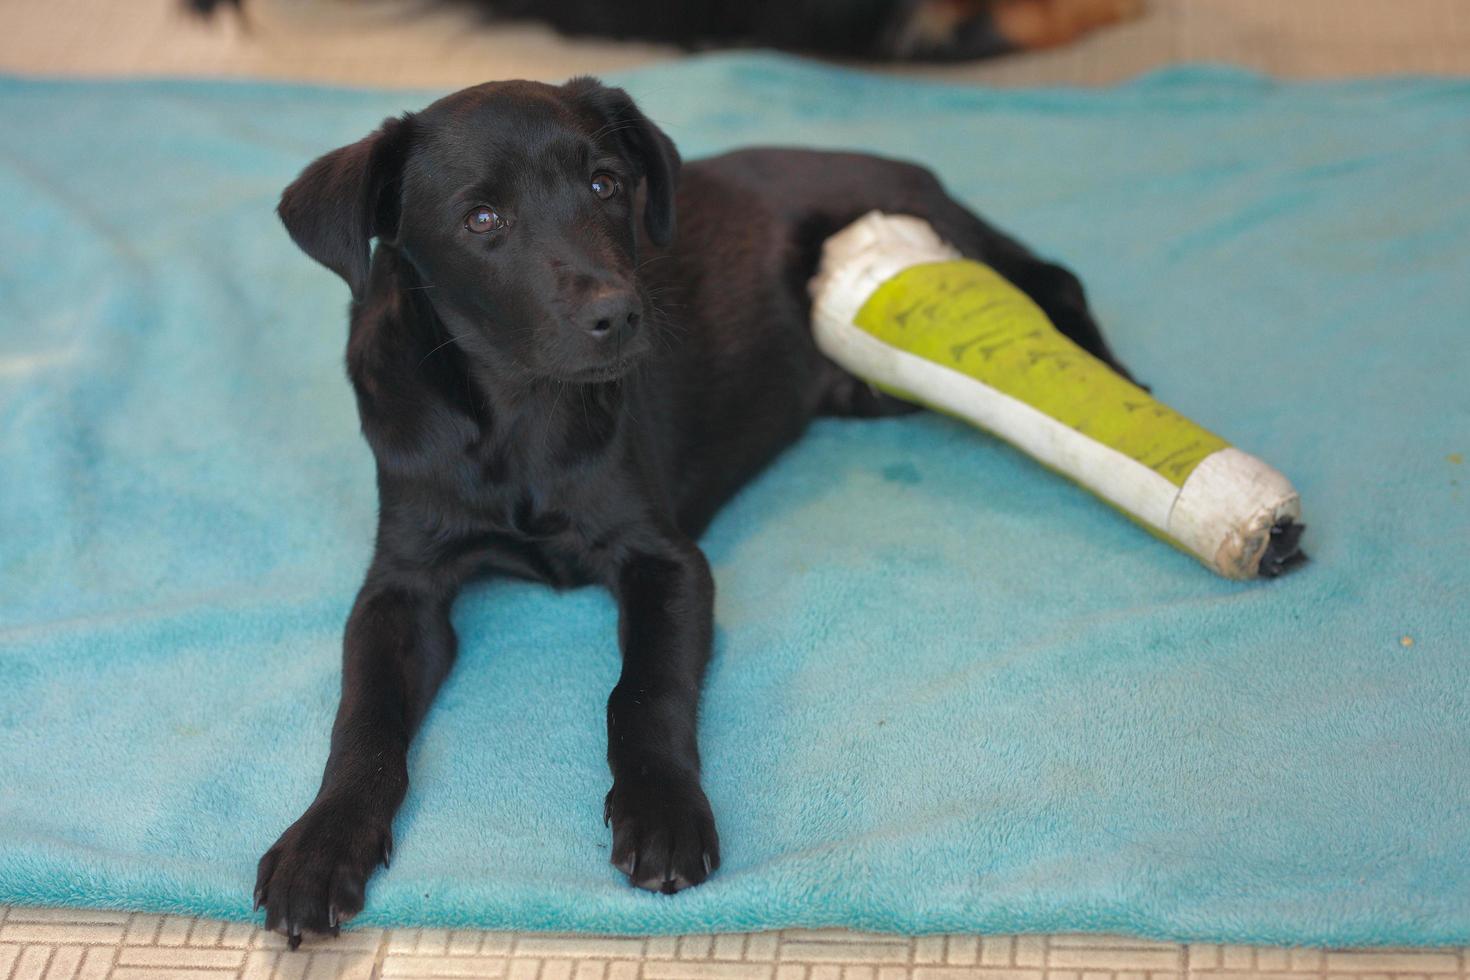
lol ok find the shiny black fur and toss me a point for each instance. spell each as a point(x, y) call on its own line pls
point(570, 400)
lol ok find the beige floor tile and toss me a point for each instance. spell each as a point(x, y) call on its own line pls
point(139, 947)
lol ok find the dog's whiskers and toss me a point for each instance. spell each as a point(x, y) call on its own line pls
point(551, 415)
point(616, 126)
point(663, 328)
point(435, 350)
point(650, 261)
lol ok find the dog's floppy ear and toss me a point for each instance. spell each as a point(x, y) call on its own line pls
point(344, 199)
point(649, 146)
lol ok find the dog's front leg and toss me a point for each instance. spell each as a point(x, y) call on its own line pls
point(663, 831)
point(398, 648)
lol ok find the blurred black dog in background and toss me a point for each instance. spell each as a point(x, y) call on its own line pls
point(882, 30)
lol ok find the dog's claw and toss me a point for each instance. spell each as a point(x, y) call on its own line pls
point(708, 867)
point(293, 938)
point(629, 864)
point(388, 851)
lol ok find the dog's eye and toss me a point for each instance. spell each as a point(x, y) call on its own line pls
point(483, 219)
point(605, 186)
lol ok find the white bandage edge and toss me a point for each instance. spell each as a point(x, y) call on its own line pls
point(1224, 512)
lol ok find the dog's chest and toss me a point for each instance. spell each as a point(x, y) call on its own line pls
point(539, 518)
point(521, 504)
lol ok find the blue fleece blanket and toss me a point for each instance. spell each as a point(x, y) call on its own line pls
point(950, 691)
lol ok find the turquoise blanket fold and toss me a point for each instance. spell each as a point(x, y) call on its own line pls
point(951, 691)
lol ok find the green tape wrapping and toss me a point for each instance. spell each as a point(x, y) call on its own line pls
point(965, 316)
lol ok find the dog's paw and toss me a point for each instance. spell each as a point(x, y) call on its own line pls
point(313, 878)
point(663, 831)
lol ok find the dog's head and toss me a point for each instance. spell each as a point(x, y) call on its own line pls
point(516, 202)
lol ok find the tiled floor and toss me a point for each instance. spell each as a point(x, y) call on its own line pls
point(60, 945)
point(366, 42)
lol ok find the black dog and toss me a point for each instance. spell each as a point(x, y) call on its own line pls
point(890, 30)
point(553, 393)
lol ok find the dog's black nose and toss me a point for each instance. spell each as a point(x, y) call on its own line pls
point(612, 312)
